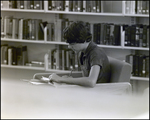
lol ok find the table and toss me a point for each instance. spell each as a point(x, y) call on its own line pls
point(20, 99)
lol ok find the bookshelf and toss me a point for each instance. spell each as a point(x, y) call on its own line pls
point(109, 14)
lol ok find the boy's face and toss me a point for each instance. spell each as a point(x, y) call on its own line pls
point(77, 47)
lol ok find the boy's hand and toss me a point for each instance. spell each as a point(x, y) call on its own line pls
point(54, 77)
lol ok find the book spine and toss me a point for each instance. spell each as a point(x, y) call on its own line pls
point(137, 36)
point(63, 60)
point(148, 36)
point(21, 28)
point(84, 5)
point(25, 29)
point(9, 56)
point(133, 30)
point(141, 36)
point(2, 26)
point(49, 5)
point(32, 4)
point(127, 8)
point(18, 4)
point(5, 4)
point(33, 29)
point(24, 55)
point(98, 33)
point(98, 7)
point(15, 28)
point(67, 60)
point(135, 65)
point(14, 57)
point(25, 4)
point(144, 43)
point(19, 55)
point(5, 54)
point(70, 5)
point(144, 7)
point(21, 4)
point(147, 66)
point(49, 59)
point(111, 34)
point(140, 66)
point(143, 67)
point(147, 7)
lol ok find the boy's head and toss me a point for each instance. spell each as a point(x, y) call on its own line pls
point(77, 32)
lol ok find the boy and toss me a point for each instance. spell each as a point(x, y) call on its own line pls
point(93, 60)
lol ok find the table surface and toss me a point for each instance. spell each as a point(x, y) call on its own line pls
point(19, 99)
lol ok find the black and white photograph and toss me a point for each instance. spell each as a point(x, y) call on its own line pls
point(67, 59)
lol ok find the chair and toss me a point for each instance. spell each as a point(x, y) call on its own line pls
point(120, 71)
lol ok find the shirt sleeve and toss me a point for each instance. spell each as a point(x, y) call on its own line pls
point(96, 60)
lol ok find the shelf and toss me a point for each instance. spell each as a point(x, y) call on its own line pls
point(85, 13)
point(136, 48)
point(22, 40)
point(136, 15)
point(22, 67)
point(54, 42)
point(140, 78)
point(23, 10)
point(110, 46)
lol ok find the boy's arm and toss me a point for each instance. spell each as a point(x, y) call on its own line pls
point(89, 81)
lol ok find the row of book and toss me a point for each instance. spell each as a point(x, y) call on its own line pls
point(107, 33)
point(136, 35)
point(75, 6)
point(21, 28)
point(137, 7)
point(140, 64)
point(62, 59)
point(22, 4)
point(11, 55)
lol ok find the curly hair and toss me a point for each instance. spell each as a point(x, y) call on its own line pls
point(77, 32)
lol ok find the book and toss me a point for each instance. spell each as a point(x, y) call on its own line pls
point(25, 29)
point(132, 35)
point(141, 36)
point(95, 32)
point(5, 4)
point(141, 69)
point(136, 65)
point(33, 28)
point(137, 36)
point(127, 7)
point(18, 4)
point(2, 27)
point(75, 6)
point(4, 54)
point(21, 4)
point(70, 5)
point(139, 7)
point(32, 4)
point(53, 56)
point(58, 58)
point(15, 27)
point(144, 42)
point(22, 58)
point(98, 6)
point(93, 4)
point(63, 59)
point(127, 36)
point(147, 65)
point(14, 57)
point(111, 37)
point(147, 35)
point(49, 5)
point(10, 54)
point(25, 4)
point(8, 26)
point(144, 7)
point(88, 6)
point(129, 59)
point(39, 33)
point(147, 7)
point(20, 34)
point(80, 6)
